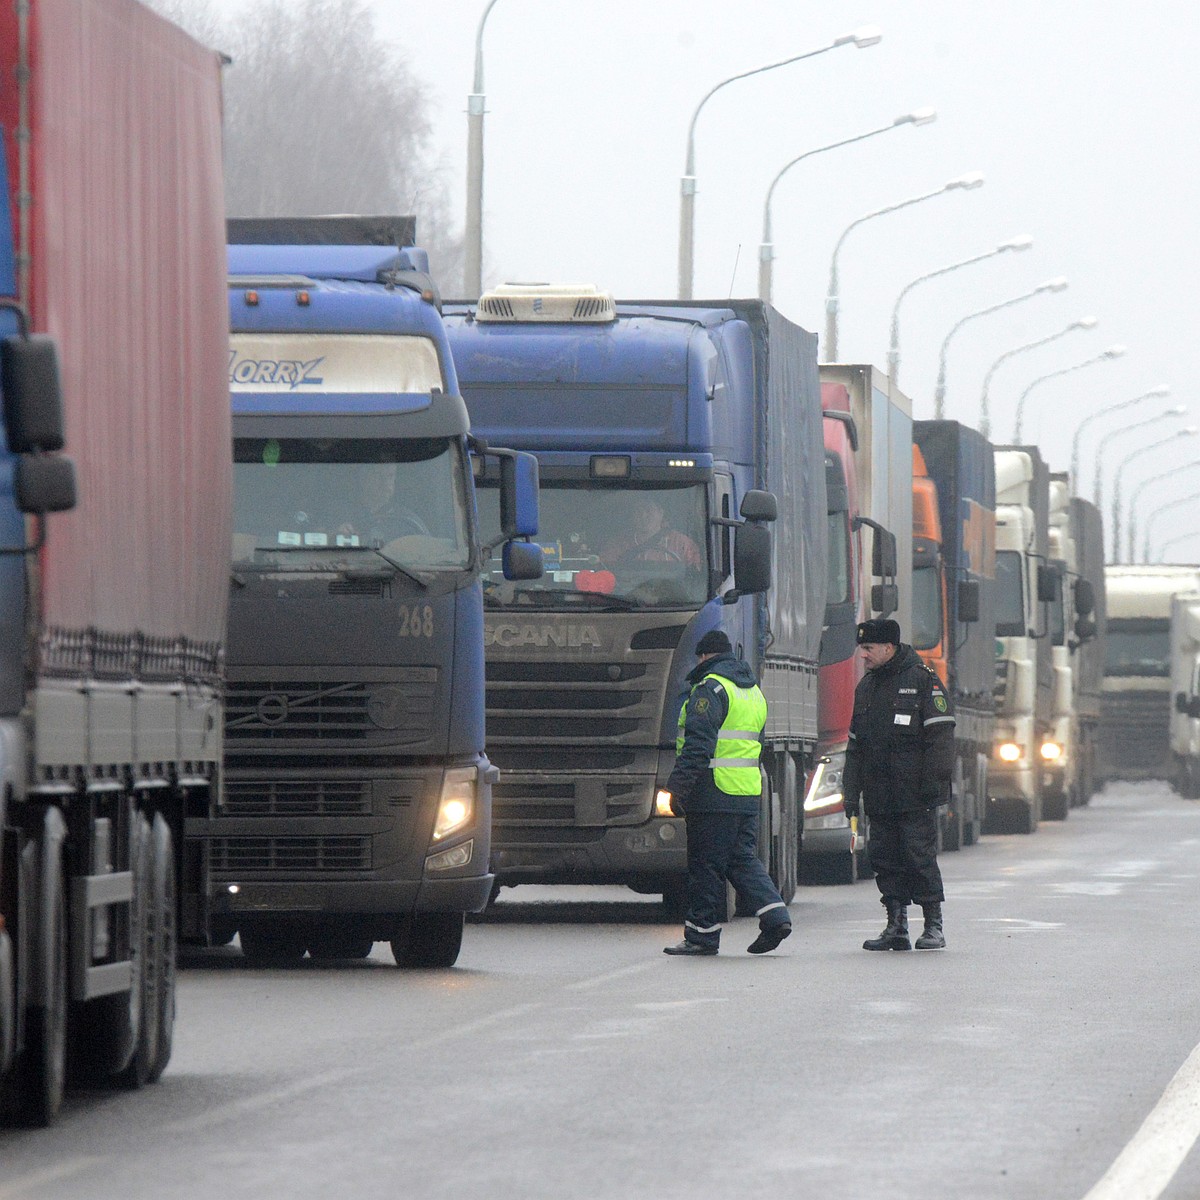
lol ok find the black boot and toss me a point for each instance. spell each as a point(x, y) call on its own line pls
point(932, 938)
point(895, 936)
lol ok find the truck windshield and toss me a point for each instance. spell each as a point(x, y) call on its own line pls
point(926, 608)
point(645, 547)
point(1010, 595)
point(1137, 646)
point(300, 503)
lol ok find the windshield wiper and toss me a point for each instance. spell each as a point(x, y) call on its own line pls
point(408, 572)
point(554, 598)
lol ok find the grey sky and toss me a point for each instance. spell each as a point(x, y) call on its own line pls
point(1080, 115)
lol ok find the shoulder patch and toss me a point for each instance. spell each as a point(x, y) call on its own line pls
point(702, 704)
point(939, 702)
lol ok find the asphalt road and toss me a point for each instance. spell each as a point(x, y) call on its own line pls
point(566, 1056)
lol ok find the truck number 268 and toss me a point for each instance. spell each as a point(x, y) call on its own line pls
point(417, 621)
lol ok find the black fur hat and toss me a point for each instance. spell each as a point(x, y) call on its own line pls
point(880, 632)
point(715, 641)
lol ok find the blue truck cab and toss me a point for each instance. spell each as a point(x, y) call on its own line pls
point(669, 436)
point(358, 792)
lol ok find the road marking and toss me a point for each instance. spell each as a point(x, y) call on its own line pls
point(1019, 925)
point(447, 1035)
point(596, 980)
point(224, 1112)
point(64, 1170)
point(1149, 1161)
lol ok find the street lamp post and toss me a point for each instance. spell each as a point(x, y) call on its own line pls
point(1180, 537)
point(1136, 495)
point(1057, 284)
point(1018, 243)
point(963, 183)
point(1160, 390)
point(473, 239)
point(1104, 356)
point(1098, 466)
point(1186, 431)
point(984, 420)
point(766, 251)
point(868, 35)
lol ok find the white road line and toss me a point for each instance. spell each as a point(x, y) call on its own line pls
point(596, 980)
point(39, 1179)
point(1149, 1162)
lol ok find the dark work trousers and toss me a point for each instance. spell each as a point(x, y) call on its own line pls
point(724, 846)
point(903, 849)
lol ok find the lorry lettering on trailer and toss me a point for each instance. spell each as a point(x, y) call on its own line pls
point(270, 371)
point(668, 434)
point(113, 612)
point(358, 790)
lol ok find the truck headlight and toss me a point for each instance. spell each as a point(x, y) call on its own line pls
point(1008, 751)
point(662, 803)
point(825, 789)
point(1051, 751)
point(456, 808)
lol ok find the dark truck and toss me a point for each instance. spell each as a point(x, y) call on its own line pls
point(113, 335)
point(659, 428)
point(954, 582)
point(358, 792)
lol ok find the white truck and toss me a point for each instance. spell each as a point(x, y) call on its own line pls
point(1185, 693)
point(1025, 590)
point(1136, 699)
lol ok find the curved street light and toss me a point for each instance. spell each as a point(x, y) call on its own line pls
point(1104, 356)
point(1057, 284)
point(1180, 410)
point(473, 239)
point(766, 251)
point(984, 420)
point(1136, 495)
point(964, 183)
point(1186, 431)
point(1161, 390)
point(1179, 537)
point(868, 35)
point(1023, 242)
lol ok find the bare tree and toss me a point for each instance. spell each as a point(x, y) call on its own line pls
point(322, 116)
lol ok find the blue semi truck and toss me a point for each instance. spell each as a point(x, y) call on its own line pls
point(358, 793)
point(669, 436)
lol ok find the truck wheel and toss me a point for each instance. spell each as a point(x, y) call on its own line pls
point(1055, 805)
point(109, 1030)
point(434, 940)
point(44, 1060)
point(271, 946)
point(164, 916)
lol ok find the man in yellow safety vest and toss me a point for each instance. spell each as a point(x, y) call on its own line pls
point(716, 784)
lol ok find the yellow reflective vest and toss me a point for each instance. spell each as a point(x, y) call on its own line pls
point(735, 761)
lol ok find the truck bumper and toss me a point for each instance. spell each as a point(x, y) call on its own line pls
point(233, 899)
point(1012, 783)
point(643, 853)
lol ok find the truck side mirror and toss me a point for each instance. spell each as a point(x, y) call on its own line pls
point(1047, 584)
point(1193, 707)
point(759, 506)
point(518, 493)
point(1085, 597)
point(883, 554)
point(751, 559)
point(522, 560)
point(44, 483)
point(1085, 630)
point(968, 600)
point(885, 598)
point(33, 407)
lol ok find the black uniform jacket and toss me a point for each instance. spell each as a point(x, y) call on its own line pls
point(691, 783)
point(901, 752)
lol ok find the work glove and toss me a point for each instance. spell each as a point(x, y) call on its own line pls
point(851, 807)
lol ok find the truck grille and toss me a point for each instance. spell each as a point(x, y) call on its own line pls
point(566, 804)
point(243, 855)
point(1135, 735)
point(297, 798)
point(355, 712)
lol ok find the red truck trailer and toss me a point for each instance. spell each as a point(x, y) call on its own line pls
point(113, 348)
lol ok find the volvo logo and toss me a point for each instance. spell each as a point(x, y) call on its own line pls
point(386, 708)
point(273, 709)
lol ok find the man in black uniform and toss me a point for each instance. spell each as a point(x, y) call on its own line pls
point(716, 784)
point(899, 763)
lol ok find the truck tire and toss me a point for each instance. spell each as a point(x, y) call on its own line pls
point(164, 917)
point(431, 940)
point(43, 1063)
point(785, 842)
point(1056, 804)
point(108, 1038)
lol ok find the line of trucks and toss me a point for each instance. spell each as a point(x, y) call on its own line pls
point(352, 605)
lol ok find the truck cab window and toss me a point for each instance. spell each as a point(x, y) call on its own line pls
point(926, 608)
point(1010, 606)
